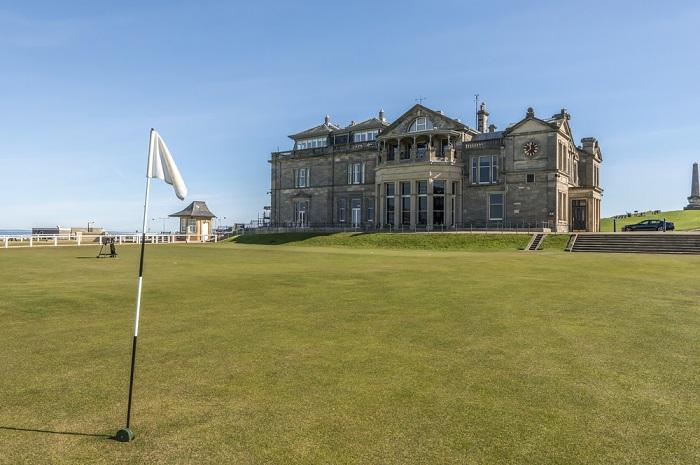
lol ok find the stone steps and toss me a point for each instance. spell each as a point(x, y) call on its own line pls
point(638, 243)
point(536, 242)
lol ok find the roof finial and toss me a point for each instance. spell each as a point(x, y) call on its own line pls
point(381, 115)
point(530, 112)
point(327, 119)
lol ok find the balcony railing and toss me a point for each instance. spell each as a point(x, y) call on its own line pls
point(483, 144)
point(351, 147)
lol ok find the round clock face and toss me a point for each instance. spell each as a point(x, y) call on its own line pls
point(531, 148)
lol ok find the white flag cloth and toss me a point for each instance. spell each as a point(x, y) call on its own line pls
point(162, 166)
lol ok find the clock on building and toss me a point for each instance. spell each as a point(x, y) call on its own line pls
point(531, 148)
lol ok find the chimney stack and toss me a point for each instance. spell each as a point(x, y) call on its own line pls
point(492, 127)
point(482, 118)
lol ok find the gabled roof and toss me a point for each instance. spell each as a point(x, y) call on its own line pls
point(434, 115)
point(561, 122)
point(321, 130)
point(558, 122)
point(197, 209)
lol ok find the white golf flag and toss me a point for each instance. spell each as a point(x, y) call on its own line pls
point(162, 166)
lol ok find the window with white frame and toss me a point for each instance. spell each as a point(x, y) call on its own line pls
point(301, 177)
point(421, 123)
point(496, 206)
point(485, 169)
point(301, 210)
point(365, 136)
point(356, 173)
point(563, 198)
point(311, 143)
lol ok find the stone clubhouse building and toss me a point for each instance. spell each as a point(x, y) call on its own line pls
point(427, 171)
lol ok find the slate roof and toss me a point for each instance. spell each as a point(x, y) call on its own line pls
point(372, 123)
point(320, 130)
point(197, 209)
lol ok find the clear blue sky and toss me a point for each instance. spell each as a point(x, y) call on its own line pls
point(225, 82)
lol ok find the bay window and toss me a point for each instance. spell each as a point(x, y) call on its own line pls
point(422, 202)
point(438, 202)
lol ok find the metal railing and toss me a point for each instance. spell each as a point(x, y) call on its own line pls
point(467, 227)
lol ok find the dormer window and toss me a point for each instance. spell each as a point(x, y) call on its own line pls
point(311, 143)
point(421, 123)
point(365, 136)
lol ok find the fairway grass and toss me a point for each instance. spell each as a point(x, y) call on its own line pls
point(253, 354)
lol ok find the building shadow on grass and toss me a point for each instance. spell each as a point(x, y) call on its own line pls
point(48, 431)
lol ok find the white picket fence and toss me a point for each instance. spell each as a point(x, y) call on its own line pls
point(56, 240)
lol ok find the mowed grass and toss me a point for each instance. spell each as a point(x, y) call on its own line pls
point(422, 241)
point(555, 241)
point(255, 354)
point(683, 220)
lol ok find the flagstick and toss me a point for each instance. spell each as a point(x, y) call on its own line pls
point(125, 434)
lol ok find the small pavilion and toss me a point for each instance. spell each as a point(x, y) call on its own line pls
point(196, 220)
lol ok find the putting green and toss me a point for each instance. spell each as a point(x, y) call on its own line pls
point(304, 355)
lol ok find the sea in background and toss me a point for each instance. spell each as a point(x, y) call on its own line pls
point(14, 232)
point(19, 232)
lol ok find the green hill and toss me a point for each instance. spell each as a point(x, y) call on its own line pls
point(684, 220)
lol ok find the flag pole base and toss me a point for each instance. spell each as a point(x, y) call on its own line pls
point(124, 435)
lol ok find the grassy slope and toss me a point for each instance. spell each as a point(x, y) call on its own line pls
point(430, 241)
point(683, 220)
point(555, 242)
point(254, 354)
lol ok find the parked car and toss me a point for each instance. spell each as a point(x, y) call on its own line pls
point(650, 225)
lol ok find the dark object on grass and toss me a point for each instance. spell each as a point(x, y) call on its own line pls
point(124, 435)
point(112, 249)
